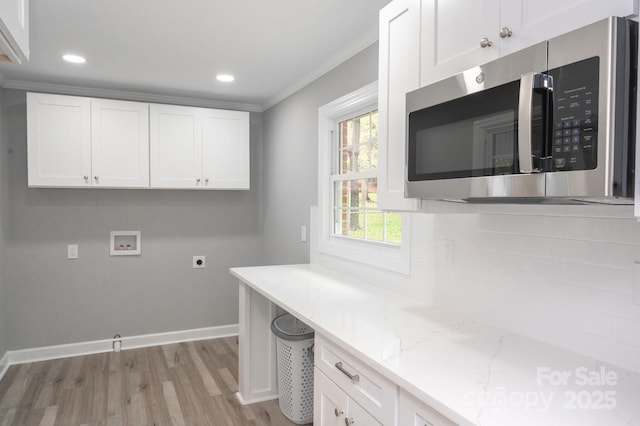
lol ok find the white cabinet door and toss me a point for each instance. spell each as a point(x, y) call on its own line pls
point(532, 21)
point(451, 34)
point(333, 407)
point(14, 30)
point(175, 146)
point(359, 416)
point(330, 402)
point(413, 412)
point(58, 140)
point(225, 149)
point(120, 144)
point(399, 73)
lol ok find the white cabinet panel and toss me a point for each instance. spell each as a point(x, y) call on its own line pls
point(399, 73)
point(59, 140)
point(199, 148)
point(334, 407)
point(225, 149)
point(14, 30)
point(451, 36)
point(176, 146)
point(120, 143)
point(330, 402)
point(532, 21)
point(413, 412)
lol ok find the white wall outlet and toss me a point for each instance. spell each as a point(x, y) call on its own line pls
point(72, 251)
point(199, 262)
point(447, 252)
point(303, 234)
point(636, 283)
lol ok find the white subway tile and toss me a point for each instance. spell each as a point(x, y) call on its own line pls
point(626, 331)
point(615, 304)
point(611, 351)
point(588, 321)
point(564, 337)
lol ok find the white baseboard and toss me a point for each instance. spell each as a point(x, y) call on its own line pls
point(128, 342)
point(265, 397)
point(4, 364)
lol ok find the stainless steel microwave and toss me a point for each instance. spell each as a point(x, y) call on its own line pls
point(551, 123)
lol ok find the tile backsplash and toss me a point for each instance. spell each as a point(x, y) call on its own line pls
point(561, 278)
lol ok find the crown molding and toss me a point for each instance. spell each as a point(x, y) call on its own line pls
point(342, 56)
point(64, 89)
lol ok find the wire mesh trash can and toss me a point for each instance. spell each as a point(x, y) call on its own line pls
point(295, 367)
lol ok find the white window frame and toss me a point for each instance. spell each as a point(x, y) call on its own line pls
point(390, 257)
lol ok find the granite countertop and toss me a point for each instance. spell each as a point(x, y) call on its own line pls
point(473, 373)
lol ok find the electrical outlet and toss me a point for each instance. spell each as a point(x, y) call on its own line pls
point(199, 262)
point(447, 252)
point(72, 251)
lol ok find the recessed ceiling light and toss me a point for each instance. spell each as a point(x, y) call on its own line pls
point(74, 59)
point(227, 78)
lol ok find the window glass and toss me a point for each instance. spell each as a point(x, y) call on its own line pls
point(355, 186)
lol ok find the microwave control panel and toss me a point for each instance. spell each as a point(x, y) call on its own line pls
point(574, 140)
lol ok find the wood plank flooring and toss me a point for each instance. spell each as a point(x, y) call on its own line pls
point(181, 384)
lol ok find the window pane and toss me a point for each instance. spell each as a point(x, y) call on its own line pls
point(355, 206)
point(350, 193)
point(359, 144)
point(393, 228)
point(375, 226)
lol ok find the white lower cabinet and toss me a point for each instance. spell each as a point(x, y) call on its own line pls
point(333, 407)
point(413, 412)
point(347, 392)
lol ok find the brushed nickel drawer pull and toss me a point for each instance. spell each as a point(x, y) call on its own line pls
point(354, 377)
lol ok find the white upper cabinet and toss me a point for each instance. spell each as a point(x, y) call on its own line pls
point(399, 73)
point(458, 35)
point(533, 21)
point(14, 30)
point(76, 142)
point(198, 148)
point(225, 149)
point(119, 143)
point(176, 146)
point(59, 140)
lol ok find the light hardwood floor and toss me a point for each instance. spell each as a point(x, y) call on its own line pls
point(180, 384)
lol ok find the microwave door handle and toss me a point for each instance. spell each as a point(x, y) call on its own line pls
point(525, 114)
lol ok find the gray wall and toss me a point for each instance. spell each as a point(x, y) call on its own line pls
point(49, 300)
point(3, 163)
point(291, 155)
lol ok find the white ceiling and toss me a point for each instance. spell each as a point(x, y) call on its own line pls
point(176, 47)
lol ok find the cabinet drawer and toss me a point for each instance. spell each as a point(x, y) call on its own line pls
point(374, 393)
point(413, 412)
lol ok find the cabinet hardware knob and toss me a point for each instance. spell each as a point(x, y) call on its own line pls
point(505, 32)
point(338, 412)
point(349, 421)
point(206, 181)
point(485, 42)
point(355, 378)
point(86, 178)
point(95, 178)
point(198, 180)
